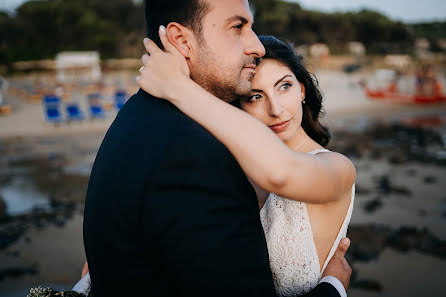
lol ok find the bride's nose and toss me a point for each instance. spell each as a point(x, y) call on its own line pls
point(275, 108)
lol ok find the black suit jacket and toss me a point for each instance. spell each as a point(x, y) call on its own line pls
point(169, 212)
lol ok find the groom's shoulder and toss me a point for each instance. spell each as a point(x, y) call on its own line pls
point(144, 106)
point(148, 118)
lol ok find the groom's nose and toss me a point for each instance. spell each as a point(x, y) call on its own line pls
point(253, 46)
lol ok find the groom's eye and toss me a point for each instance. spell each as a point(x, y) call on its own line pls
point(238, 27)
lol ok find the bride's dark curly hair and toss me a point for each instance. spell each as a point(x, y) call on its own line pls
point(312, 109)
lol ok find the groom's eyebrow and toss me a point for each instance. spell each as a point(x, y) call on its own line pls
point(234, 18)
point(285, 76)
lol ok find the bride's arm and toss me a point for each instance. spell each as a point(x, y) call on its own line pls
point(264, 158)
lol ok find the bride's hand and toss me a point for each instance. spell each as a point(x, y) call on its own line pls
point(164, 73)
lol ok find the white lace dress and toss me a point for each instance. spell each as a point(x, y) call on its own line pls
point(293, 257)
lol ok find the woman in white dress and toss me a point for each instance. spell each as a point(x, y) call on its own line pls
point(278, 140)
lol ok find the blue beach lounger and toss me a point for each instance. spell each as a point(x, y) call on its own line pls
point(120, 99)
point(96, 108)
point(51, 105)
point(74, 113)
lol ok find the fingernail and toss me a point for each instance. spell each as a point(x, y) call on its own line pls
point(346, 241)
point(138, 78)
point(145, 40)
point(163, 30)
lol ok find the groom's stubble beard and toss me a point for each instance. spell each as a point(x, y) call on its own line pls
point(226, 84)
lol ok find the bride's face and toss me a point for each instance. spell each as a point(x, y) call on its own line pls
point(276, 99)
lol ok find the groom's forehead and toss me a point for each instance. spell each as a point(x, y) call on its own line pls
point(227, 11)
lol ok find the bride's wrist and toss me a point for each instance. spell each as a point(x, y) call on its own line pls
point(178, 93)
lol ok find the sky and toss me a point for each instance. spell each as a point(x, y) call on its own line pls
point(404, 10)
point(408, 11)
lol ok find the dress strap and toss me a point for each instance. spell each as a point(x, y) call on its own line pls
point(317, 151)
point(342, 231)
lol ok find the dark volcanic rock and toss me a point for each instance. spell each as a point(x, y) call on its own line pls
point(430, 179)
point(398, 143)
point(361, 191)
point(14, 254)
point(398, 158)
point(411, 172)
point(2, 207)
point(368, 241)
point(13, 227)
point(367, 284)
point(58, 221)
point(10, 233)
point(407, 238)
point(373, 205)
point(385, 187)
point(402, 191)
point(422, 212)
point(15, 272)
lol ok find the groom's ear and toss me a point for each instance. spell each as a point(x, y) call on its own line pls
point(181, 37)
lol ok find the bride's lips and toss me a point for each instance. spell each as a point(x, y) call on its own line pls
point(279, 127)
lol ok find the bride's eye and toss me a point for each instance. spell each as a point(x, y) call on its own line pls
point(254, 98)
point(284, 87)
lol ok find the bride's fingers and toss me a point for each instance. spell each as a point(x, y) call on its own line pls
point(151, 46)
point(166, 43)
point(140, 81)
point(145, 59)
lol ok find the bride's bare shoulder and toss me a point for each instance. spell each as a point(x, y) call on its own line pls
point(341, 165)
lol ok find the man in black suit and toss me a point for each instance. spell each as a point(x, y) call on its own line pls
point(169, 212)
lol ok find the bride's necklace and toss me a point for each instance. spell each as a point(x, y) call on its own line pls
point(299, 145)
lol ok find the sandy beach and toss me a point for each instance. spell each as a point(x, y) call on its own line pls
point(343, 96)
point(398, 228)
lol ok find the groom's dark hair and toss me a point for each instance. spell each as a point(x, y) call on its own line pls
point(188, 13)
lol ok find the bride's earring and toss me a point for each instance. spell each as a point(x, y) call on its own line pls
point(303, 101)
